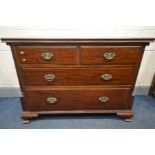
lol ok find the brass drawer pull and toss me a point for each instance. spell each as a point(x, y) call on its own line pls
point(49, 77)
point(47, 55)
point(51, 100)
point(106, 77)
point(109, 55)
point(103, 99)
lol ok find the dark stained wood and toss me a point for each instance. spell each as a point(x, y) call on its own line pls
point(75, 40)
point(76, 99)
point(28, 115)
point(126, 115)
point(77, 76)
point(98, 87)
point(14, 54)
point(78, 65)
point(76, 112)
point(63, 55)
point(93, 55)
point(49, 65)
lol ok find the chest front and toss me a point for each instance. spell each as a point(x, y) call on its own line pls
point(71, 76)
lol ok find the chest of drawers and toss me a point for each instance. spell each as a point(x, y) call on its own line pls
point(72, 76)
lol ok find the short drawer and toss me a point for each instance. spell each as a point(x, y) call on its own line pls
point(101, 55)
point(44, 100)
point(77, 76)
point(56, 55)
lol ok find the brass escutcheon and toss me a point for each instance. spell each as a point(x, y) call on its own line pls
point(49, 77)
point(109, 55)
point(106, 77)
point(47, 55)
point(52, 100)
point(103, 99)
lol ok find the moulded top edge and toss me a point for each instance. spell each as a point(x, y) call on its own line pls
point(75, 40)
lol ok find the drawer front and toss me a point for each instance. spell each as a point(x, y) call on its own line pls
point(45, 100)
point(100, 55)
point(77, 76)
point(62, 55)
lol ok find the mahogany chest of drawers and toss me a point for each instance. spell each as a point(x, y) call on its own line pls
point(70, 76)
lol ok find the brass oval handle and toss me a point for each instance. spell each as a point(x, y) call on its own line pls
point(49, 77)
point(106, 77)
point(51, 100)
point(109, 55)
point(47, 55)
point(103, 99)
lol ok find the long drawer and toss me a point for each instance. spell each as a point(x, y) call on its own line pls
point(101, 55)
point(77, 76)
point(41, 100)
point(55, 55)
